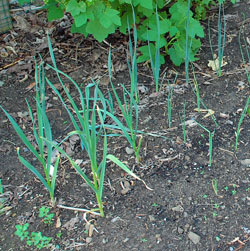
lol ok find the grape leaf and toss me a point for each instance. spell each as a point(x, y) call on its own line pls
point(147, 12)
point(75, 8)
point(72, 7)
point(109, 17)
point(160, 3)
point(175, 56)
point(54, 12)
point(80, 29)
point(80, 19)
point(195, 29)
point(125, 1)
point(148, 4)
point(173, 31)
point(145, 54)
point(23, 2)
point(98, 31)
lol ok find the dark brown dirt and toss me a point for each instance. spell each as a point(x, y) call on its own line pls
point(183, 200)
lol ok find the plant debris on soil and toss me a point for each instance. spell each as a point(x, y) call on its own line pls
point(193, 206)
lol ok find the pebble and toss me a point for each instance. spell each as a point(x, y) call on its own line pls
point(245, 162)
point(88, 239)
point(158, 238)
point(151, 218)
point(195, 238)
point(180, 230)
point(104, 241)
point(178, 208)
point(186, 227)
point(185, 214)
point(129, 150)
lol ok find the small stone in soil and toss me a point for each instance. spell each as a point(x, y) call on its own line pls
point(195, 238)
point(178, 208)
point(180, 230)
point(88, 240)
point(151, 218)
point(129, 150)
point(158, 238)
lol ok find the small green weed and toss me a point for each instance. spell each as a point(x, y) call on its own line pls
point(216, 206)
point(215, 214)
point(234, 189)
point(47, 217)
point(155, 205)
point(34, 239)
point(59, 235)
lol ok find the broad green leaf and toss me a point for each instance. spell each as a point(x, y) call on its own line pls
point(178, 11)
point(81, 29)
point(82, 6)
point(160, 3)
point(146, 11)
point(80, 19)
point(125, 1)
point(110, 16)
point(145, 54)
point(176, 55)
point(75, 8)
point(152, 37)
point(55, 12)
point(195, 29)
point(127, 17)
point(23, 2)
point(173, 31)
point(148, 4)
point(98, 31)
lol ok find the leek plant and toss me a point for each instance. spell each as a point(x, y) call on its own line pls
point(85, 121)
point(188, 45)
point(210, 136)
point(183, 123)
point(246, 46)
point(221, 39)
point(132, 62)
point(197, 91)
point(247, 105)
point(240, 122)
point(41, 129)
point(170, 99)
point(129, 131)
point(200, 102)
point(155, 62)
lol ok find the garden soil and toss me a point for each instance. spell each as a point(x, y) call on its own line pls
point(191, 205)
